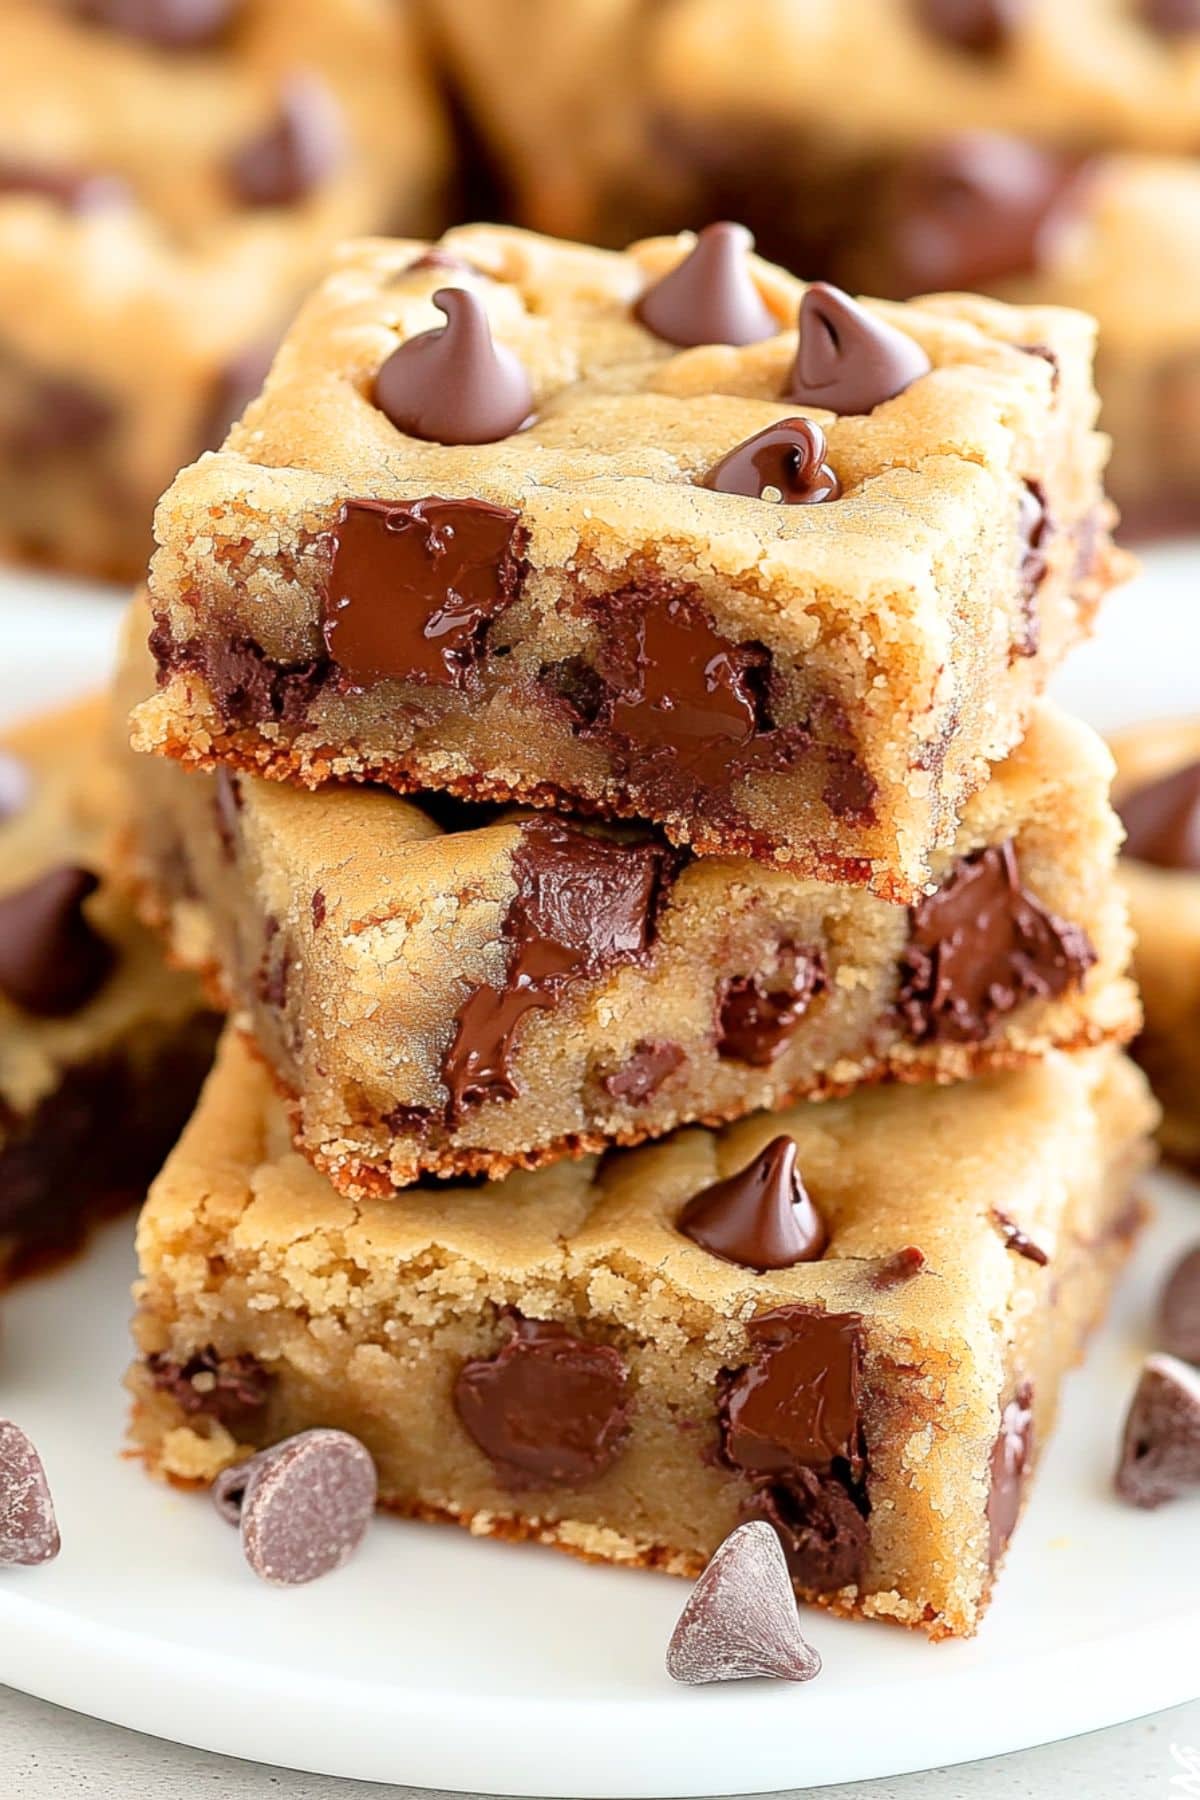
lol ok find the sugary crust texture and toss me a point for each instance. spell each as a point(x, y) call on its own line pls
point(363, 1313)
point(1164, 909)
point(891, 615)
point(347, 928)
point(149, 306)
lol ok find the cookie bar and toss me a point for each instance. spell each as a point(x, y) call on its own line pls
point(457, 990)
point(102, 1049)
point(850, 1319)
point(606, 573)
point(171, 180)
point(1158, 794)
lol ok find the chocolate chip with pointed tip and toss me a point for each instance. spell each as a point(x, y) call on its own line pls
point(1179, 1309)
point(761, 1218)
point(52, 960)
point(1162, 820)
point(711, 296)
point(786, 460)
point(848, 361)
point(981, 27)
point(306, 1506)
point(28, 1527)
point(740, 1619)
point(168, 24)
point(297, 152)
point(1160, 1446)
point(455, 384)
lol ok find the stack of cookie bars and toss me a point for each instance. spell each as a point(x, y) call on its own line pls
point(590, 738)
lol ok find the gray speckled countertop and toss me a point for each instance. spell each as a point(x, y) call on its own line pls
point(48, 1754)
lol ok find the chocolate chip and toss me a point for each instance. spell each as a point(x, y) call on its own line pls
point(168, 24)
point(785, 463)
point(740, 1619)
point(821, 1527)
point(583, 905)
point(976, 209)
point(979, 946)
point(1171, 18)
point(898, 1268)
point(757, 1015)
point(848, 360)
point(1162, 820)
point(28, 1527)
point(306, 1505)
point(231, 1389)
point(229, 1489)
point(1034, 532)
point(317, 908)
point(711, 296)
point(1160, 1449)
point(296, 153)
point(639, 1078)
point(51, 959)
point(981, 27)
point(1179, 1309)
point(16, 785)
point(59, 416)
point(761, 1217)
point(1011, 1456)
point(798, 1403)
point(548, 1409)
point(455, 385)
point(1018, 1240)
point(75, 190)
point(413, 586)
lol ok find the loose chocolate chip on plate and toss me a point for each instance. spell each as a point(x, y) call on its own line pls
point(848, 360)
point(1179, 1309)
point(761, 1217)
point(548, 1409)
point(711, 296)
point(1011, 1456)
point(169, 24)
point(297, 152)
point(785, 462)
point(51, 959)
point(1162, 820)
point(980, 26)
point(305, 1505)
point(28, 1527)
point(740, 1619)
point(455, 384)
point(1160, 1449)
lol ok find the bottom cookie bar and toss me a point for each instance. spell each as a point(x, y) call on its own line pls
point(1158, 796)
point(592, 1356)
point(102, 1049)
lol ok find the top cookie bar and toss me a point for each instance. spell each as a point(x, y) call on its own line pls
point(655, 534)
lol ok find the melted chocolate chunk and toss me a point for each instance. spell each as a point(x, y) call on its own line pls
point(1179, 1309)
point(75, 190)
point(711, 296)
point(1171, 18)
point(979, 946)
point(297, 152)
point(583, 905)
point(52, 960)
point(248, 686)
point(821, 1526)
point(978, 208)
point(761, 1217)
point(639, 1079)
point(784, 462)
point(981, 27)
point(798, 1404)
point(548, 1409)
point(167, 24)
point(413, 586)
point(756, 1014)
point(455, 385)
point(1035, 531)
point(1018, 1240)
point(1162, 820)
point(848, 360)
point(231, 1389)
point(1011, 1457)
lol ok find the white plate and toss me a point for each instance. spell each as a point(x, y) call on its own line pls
point(438, 1661)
